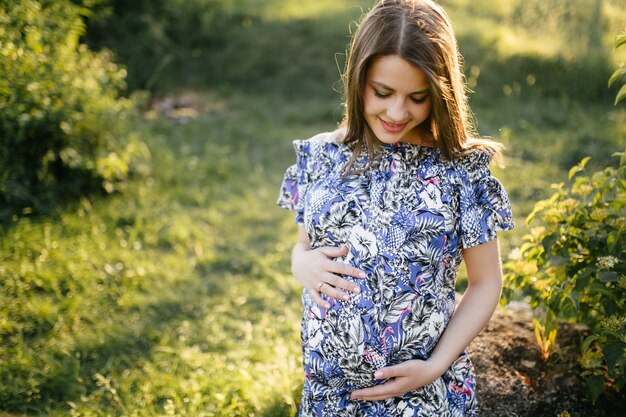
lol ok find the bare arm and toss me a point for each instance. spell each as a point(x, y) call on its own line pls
point(471, 315)
point(477, 305)
point(317, 271)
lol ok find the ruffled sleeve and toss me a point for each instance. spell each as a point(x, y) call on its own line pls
point(315, 158)
point(295, 182)
point(484, 204)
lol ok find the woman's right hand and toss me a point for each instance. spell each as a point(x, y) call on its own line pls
point(319, 273)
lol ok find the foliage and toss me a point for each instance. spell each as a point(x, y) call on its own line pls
point(573, 266)
point(619, 73)
point(154, 38)
point(61, 120)
point(209, 43)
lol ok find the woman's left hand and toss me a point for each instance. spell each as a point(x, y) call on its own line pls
point(402, 378)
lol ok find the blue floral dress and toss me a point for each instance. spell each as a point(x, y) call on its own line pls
point(405, 220)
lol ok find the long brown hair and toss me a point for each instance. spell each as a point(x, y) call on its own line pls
point(420, 32)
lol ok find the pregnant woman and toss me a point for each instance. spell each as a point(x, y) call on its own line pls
point(387, 207)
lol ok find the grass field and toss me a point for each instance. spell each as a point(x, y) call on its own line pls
point(173, 297)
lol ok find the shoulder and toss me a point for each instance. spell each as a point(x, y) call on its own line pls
point(476, 157)
point(322, 143)
point(473, 163)
point(333, 137)
point(321, 154)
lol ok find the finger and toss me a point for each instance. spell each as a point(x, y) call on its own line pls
point(334, 292)
point(389, 372)
point(334, 251)
point(389, 389)
point(317, 299)
point(339, 282)
point(343, 269)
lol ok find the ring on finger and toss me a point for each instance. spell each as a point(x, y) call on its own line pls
point(320, 285)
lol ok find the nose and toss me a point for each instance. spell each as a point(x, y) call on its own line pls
point(397, 111)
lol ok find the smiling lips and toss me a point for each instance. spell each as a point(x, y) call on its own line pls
point(392, 127)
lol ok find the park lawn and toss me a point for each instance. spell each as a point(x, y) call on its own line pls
point(173, 296)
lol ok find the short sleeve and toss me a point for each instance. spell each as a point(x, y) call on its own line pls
point(315, 158)
point(294, 181)
point(484, 204)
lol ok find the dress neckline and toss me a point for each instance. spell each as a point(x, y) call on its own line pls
point(409, 150)
point(405, 145)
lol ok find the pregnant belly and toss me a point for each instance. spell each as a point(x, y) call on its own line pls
point(339, 348)
point(343, 346)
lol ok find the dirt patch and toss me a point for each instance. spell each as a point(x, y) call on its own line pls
point(512, 380)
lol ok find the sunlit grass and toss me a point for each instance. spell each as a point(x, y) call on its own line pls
point(170, 298)
point(557, 28)
point(294, 9)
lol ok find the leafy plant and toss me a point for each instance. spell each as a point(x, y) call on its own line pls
point(619, 73)
point(171, 40)
point(545, 333)
point(572, 265)
point(62, 122)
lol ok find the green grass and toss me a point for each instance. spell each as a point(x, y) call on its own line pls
point(176, 289)
point(173, 296)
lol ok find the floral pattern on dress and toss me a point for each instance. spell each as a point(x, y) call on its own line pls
point(406, 220)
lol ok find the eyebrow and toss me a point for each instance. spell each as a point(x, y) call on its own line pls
point(386, 87)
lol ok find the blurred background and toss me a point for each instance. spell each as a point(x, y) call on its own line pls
point(144, 266)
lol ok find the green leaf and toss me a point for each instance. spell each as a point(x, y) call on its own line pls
point(617, 74)
point(600, 289)
point(595, 386)
point(559, 260)
point(587, 342)
point(573, 171)
point(611, 240)
point(621, 94)
point(610, 307)
point(583, 162)
point(608, 276)
point(548, 242)
point(525, 247)
point(620, 40)
point(575, 297)
point(582, 280)
point(551, 322)
point(613, 352)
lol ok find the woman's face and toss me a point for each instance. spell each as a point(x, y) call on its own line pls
point(396, 100)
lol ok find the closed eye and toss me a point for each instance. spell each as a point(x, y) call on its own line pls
point(380, 94)
point(419, 100)
point(415, 100)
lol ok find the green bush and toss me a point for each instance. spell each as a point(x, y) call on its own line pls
point(61, 120)
point(619, 73)
point(572, 265)
point(171, 41)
